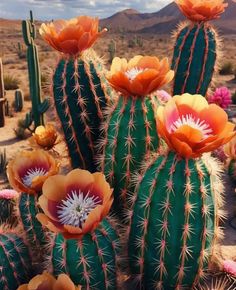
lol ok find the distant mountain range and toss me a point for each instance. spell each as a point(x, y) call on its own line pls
point(164, 21)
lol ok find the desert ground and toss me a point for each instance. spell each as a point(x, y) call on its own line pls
point(158, 45)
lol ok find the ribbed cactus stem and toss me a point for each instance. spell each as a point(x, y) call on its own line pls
point(130, 137)
point(91, 261)
point(174, 222)
point(15, 262)
point(79, 101)
point(194, 59)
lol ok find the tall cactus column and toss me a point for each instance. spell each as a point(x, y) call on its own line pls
point(196, 47)
point(2, 99)
point(174, 222)
point(77, 91)
point(130, 127)
point(38, 107)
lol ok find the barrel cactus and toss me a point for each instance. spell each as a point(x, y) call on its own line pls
point(86, 245)
point(8, 199)
point(196, 47)
point(77, 89)
point(130, 127)
point(174, 221)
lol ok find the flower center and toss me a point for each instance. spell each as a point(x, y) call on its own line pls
point(132, 73)
point(31, 174)
point(75, 209)
point(193, 122)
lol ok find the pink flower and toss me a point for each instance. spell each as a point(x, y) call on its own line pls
point(163, 96)
point(221, 97)
point(8, 194)
point(230, 267)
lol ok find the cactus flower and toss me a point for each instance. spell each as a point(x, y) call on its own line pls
point(141, 76)
point(46, 281)
point(201, 10)
point(8, 194)
point(44, 136)
point(76, 203)
point(72, 36)
point(29, 169)
point(190, 126)
point(221, 97)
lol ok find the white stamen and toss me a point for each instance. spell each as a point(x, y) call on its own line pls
point(132, 73)
point(193, 122)
point(31, 174)
point(75, 209)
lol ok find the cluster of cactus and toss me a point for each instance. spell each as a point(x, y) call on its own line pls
point(19, 101)
point(80, 99)
point(38, 107)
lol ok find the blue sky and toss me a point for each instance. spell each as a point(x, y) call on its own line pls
point(52, 9)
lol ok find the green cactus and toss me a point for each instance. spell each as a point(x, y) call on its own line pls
point(130, 131)
point(3, 161)
point(15, 262)
point(174, 221)
point(35, 235)
point(194, 58)
point(79, 99)
point(7, 214)
point(112, 50)
point(19, 100)
point(38, 107)
point(2, 99)
point(232, 170)
point(91, 261)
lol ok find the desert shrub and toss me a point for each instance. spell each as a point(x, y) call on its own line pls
point(226, 68)
point(11, 83)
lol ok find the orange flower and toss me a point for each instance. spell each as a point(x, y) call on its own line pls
point(191, 127)
point(72, 36)
point(29, 169)
point(46, 281)
point(230, 149)
point(76, 203)
point(44, 137)
point(141, 76)
point(201, 10)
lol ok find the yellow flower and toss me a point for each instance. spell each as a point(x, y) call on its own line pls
point(201, 10)
point(75, 204)
point(46, 281)
point(72, 36)
point(29, 169)
point(191, 127)
point(141, 76)
point(44, 137)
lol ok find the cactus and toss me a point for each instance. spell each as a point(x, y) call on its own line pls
point(38, 107)
point(19, 99)
point(15, 262)
point(7, 109)
point(79, 101)
point(196, 51)
point(91, 261)
point(174, 223)
point(130, 131)
point(232, 170)
point(7, 205)
point(112, 50)
point(2, 94)
point(35, 235)
point(3, 161)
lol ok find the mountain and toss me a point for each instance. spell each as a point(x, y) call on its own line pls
point(164, 21)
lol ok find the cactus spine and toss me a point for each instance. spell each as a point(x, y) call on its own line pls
point(194, 59)
point(18, 103)
point(91, 261)
point(130, 131)
point(38, 107)
point(15, 262)
point(174, 222)
point(79, 101)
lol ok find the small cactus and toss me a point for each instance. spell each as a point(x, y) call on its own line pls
point(7, 205)
point(3, 161)
point(19, 100)
point(112, 50)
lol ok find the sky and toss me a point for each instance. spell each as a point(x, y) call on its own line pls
point(53, 9)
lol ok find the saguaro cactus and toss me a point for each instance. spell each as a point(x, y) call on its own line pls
point(38, 107)
point(196, 47)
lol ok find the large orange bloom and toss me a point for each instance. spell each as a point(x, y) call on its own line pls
point(72, 36)
point(201, 10)
point(191, 127)
point(76, 203)
point(29, 169)
point(44, 136)
point(141, 76)
point(46, 281)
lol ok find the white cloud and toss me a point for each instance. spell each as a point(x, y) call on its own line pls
point(48, 9)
